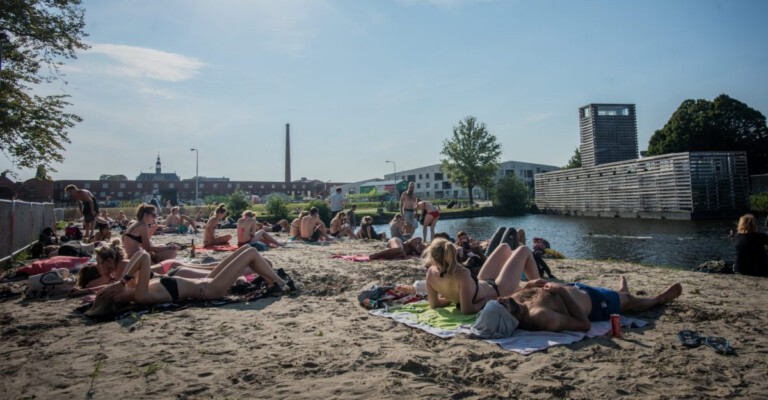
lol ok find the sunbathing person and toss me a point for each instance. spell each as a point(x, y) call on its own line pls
point(136, 285)
point(249, 231)
point(137, 236)
point(450, 282)
point(295, 231)
point(543, 306)
point(366, 230)
point(210, 238)
point(396, 248)
point(285, 226)
point(397, 227)
point(103, 234)
point(312, 227)
point(339, 228)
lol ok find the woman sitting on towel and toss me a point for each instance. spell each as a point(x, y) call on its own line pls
point(210, 238)
point(450, 282)
point(136, 236)
point(136, 285)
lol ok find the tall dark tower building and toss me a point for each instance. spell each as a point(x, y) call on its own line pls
point(158, 169)
point(287, 153)
point(608, 133)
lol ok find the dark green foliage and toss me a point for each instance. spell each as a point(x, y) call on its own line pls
point(575, 161)
point(238, 202)
point(511, 195)
point(277, 208)
point(323, 209)
point(472, 155)
point(41, 175)
point(724, 124)
point(106, 177)
point(36, 36)
point(759, 203)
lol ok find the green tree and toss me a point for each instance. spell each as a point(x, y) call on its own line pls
point(277, 207)
point(36, 36)
point(107, 177)
point(472, 155)
point(237, 202)
point(575, 161)
point(511, 195)
point(723, 124)
point(41, 174)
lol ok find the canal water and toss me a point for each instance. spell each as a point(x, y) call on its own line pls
point(677, 244)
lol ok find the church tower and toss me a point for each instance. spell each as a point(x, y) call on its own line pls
point(158, 168)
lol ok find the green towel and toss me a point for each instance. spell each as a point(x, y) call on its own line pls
point(445, 318)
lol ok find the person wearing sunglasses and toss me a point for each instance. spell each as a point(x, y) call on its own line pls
point(137, 236)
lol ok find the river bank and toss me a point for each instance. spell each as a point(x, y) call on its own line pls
point(321, 343)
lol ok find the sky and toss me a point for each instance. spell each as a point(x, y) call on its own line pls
point(362, 82)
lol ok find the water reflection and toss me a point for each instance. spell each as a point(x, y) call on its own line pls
point(679, 244)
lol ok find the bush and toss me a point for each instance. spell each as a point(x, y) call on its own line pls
point(238, 202)
point(323, 209)
point(759, 203)
point(511, 196)
point(277, 208)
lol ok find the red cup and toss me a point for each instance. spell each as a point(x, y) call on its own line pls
point(616, 325)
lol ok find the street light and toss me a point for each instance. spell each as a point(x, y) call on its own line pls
point(197, 176)
point(394, 167)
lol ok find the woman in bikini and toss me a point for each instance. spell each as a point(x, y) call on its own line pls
point(136, 237)
point(210, 238)
point(430, 219)
point(339, 229)
point(450, 282)
point(295, 231)
point(136, 285)
point(249, 230)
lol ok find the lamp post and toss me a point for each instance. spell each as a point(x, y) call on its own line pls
point(197, 175)
point(394, 167)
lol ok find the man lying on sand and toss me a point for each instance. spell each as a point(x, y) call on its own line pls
point(547, 306)
point(396, 248)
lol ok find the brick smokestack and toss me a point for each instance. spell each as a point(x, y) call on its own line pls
point(287, 153)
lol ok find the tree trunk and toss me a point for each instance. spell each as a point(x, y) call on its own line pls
point(471, 200)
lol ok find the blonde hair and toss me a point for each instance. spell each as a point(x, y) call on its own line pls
point(747, 224)
point(442, 254)
point(521, 237)
point(113, 251)
point(396, 217)
point(248, 213)
point(104, 303)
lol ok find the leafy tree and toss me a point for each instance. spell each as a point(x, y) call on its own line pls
point(511, 195)
point(575, 161)
point(36, 36)
point(472, 155)
point(41, 174)
point(107, 177)
point(277, 207)
point(759, 203)
point(723, 124)
point(237, 202)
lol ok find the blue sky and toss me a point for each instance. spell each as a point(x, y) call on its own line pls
point(364, 81)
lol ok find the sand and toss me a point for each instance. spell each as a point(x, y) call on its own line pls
point(321, 344)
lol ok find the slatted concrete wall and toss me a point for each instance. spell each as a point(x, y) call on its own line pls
point(686, 183)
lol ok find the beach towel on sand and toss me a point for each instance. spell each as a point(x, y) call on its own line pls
point(48, 264)
point(448, 322)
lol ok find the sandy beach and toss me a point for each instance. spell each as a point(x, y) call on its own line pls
point(320, 343)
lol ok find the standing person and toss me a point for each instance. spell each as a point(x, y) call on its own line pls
point(430, 220)
point(408, 209)
point(88, 205)
point(751, 247)
point(336, 202)
point(210, 238)
point(139, 233)
point(351, 218)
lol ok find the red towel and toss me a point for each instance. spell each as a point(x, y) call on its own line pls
point(47, 264)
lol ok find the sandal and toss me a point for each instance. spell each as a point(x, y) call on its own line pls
point(689, 338)
point(719, 345)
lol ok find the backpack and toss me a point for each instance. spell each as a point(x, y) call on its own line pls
point(52, 283)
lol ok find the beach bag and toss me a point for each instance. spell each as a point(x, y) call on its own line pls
point(56, 282)
point(374, 297)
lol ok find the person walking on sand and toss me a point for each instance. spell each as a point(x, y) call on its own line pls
point(210, 239)
point(88, 205)
point(408, 209)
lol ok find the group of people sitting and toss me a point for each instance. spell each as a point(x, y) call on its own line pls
point(309, 227)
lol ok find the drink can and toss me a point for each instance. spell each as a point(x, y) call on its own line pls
point(615, 325)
